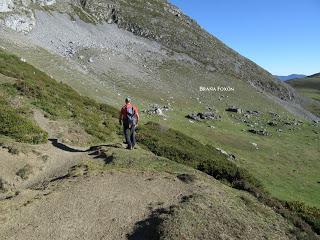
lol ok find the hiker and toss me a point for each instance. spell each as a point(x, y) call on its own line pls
point(129, 118)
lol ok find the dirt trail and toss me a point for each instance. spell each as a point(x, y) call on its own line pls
point(97, 205)
point(76, 194)
point(106, 206)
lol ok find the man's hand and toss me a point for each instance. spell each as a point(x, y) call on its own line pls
point(120, 121)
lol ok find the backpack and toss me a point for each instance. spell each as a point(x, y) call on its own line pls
point(131, 116)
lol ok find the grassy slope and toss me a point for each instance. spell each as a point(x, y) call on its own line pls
point(309, 87)
point(290, 179)
point(58, 100)
point(286, 163)
point(183, 149)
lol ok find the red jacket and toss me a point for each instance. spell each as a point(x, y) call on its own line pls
point(123, 111)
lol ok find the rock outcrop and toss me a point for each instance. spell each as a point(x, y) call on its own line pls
point(6, 6)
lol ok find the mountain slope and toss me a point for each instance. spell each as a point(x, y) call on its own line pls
point(88, 183)
point(310, 88)
point(291, 76)
point(106, 63)
point(70, 41)
point(177, 33)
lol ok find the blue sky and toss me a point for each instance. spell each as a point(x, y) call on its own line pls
point(282, 36)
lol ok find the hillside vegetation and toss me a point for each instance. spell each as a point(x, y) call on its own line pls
point(310, 88)
point(36, 89)
point(58, 100)
point(261, 146)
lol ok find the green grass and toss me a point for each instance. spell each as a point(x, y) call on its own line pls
point(57, 99)
point(310, 88)
point(286, 163)
point(13, 124)
point(183, 149)
point(178, 147)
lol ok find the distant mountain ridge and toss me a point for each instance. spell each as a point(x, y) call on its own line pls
point(289, 77)
point(315, 75)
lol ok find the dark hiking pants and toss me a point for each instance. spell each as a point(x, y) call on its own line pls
point(130, 135)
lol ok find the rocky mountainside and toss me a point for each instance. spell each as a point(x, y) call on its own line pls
point(156, 20)
point(144, 42)
point(212, 123)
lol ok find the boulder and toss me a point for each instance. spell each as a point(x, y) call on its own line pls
point(253, 112)
point(234, 109)
point(230, 156)
point(259, 132)
point(255, 145)
point(46, 2)
point(203, 116)
point(6, 5)
point(156, 110)
point(272, 123)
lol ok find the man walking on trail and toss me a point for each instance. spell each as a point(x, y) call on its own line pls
point(129, 118)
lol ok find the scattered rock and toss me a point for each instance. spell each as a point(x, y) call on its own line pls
point(25, 172)
point(273, 114)
point(259, 132)
point(203, 116)
point(156, 110)
point(46, 2)
point(90, 60)
point(254, 112)
point(272, 123)
point(230, 156)
point(234, 109)
point(255, 145)
point(187, 178)
point(20, 23)
point(6, 5)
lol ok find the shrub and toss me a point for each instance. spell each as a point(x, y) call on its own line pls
point(18, 127)
point(25, 172)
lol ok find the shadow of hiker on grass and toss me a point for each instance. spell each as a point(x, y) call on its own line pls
point(95, 151)
point(64, 147)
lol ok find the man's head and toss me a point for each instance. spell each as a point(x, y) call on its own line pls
point(127, 100)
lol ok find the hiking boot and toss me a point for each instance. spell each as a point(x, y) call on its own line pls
point(129, 147)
